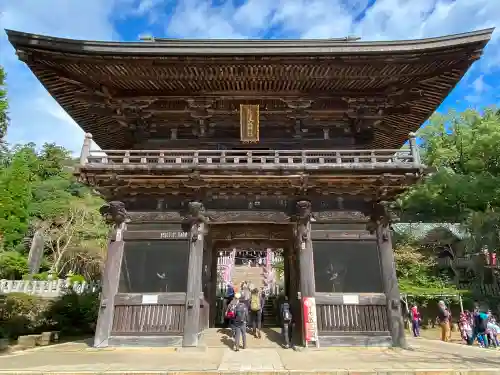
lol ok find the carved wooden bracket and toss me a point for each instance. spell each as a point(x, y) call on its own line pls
point(303, 217)
point(298, 103)
point(380, 215)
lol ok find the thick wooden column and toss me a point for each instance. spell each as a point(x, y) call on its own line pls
point(307, 287)
point(196, 224)
point(380, 220)
point(305, 249)
point(114, 213)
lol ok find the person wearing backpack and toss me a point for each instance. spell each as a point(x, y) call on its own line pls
point(480, 328)
point(256, 305)
point(227, 300)
point(239, 314)
point(286, 322)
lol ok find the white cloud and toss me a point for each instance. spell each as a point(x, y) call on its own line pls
point(36, 117)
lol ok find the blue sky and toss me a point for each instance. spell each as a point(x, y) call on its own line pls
point(36, 117)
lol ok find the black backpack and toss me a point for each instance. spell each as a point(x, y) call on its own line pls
point(287, 315)
point(239, 312)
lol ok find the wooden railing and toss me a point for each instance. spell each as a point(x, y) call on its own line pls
point(250, 159)
point(367, 316)
point(461, 262)
point(352, 318)
point(133, 317)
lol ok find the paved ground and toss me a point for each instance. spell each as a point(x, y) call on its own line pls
point(426, 356)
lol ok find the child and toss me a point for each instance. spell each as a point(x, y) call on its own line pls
point(492, 331)
point(465, 328)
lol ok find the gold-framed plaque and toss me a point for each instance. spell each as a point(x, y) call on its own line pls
point(249, 123)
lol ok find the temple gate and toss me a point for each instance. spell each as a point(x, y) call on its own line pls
point(207, 145)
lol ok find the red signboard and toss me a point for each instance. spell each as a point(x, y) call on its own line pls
point(309, 318)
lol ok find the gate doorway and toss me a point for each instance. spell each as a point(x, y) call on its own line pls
point(253, 269)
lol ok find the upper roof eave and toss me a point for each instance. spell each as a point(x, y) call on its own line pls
point(244, 47)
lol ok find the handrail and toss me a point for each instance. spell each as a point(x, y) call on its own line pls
point(252, 158)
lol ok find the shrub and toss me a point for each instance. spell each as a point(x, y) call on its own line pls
point(12, 265)
point(22, 314)
point(74, 314)
point(76, 279)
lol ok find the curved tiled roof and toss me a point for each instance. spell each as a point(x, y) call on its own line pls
point(111, 89)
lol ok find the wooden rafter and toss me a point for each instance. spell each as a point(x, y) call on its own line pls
point(141, 87)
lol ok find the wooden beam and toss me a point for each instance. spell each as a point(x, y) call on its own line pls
point(338, 298)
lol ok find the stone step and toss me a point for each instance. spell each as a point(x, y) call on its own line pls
point(221, 337)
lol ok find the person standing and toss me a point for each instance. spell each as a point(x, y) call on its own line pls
point(239, 322)
point(256, 305)
point(286, 322)
point(444, 321)
point(415, 321)
point(227, 300)
point(245, 294)
point(481, 327)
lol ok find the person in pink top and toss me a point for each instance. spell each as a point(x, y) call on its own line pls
point(415, 321)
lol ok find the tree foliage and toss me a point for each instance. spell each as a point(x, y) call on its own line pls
point(4, 119)
point(464, 187)
point(39, 193)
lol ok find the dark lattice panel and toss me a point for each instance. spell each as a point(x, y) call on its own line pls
point(352, 318)
point(148, 319)
point(154, 267)
point(347, 267)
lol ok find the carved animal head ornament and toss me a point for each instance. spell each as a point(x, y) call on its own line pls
point(196, 209)
point(196, 215)
point(114, 212)
point(304, 210)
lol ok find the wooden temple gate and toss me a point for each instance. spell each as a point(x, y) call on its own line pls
point(323, 260)
point(206, 143)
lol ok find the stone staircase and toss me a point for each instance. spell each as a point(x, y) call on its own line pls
point(254, 275)
point(270, 311)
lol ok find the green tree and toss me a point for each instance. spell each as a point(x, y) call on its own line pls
point(462, 150)
point(15, 195)
point(4, 119)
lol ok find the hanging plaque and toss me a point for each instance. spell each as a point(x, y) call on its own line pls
point(249, 123)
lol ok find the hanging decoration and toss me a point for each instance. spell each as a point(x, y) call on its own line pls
point(249, 123)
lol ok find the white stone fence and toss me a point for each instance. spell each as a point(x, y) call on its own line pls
point(48, 289)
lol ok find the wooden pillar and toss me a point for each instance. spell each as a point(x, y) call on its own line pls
point(380, 224)
point(114, 213)
point(305, 249)
point(307, 287)
point(85, 153)
point(196, 225)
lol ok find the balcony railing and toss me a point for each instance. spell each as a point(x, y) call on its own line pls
point(253, 159)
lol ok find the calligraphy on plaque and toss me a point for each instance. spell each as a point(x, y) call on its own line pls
point(173, 235)
point(310, 319)
point(249, 123)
